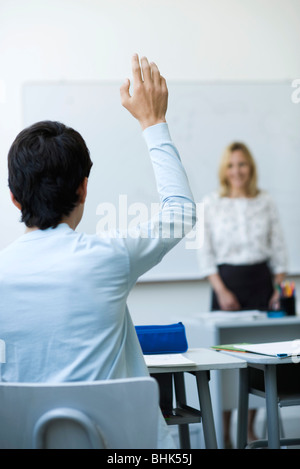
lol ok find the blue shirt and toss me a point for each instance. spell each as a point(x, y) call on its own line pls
point(63, 294)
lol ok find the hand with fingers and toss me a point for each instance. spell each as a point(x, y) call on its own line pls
point(149, 101)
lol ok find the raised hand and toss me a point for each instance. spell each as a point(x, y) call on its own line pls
point(149, 101)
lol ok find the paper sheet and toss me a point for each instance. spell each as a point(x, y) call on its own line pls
point(273, 349)
point(168, 359)
point(233, 315)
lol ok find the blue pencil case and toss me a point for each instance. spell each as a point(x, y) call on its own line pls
point(170, 338)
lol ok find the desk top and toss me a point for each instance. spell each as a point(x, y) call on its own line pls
point(205, 359)
point(240, 320)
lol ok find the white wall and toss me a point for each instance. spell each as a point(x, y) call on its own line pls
point(94, 40)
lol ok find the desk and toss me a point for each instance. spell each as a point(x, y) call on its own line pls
point(204, 332)
point(272, 393)
point(206, 360)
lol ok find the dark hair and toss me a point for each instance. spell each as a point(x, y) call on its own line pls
point(46, 164)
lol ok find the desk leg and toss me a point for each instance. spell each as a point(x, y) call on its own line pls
point(272, 407)
point(242, 422)
point(183, 430)
point(206, 409)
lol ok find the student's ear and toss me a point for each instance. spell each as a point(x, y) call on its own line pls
point(14, 201)
point(82, 191)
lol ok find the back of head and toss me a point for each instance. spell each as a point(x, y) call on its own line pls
point(46, 164)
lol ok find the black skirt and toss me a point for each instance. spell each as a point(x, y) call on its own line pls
point(251, 284)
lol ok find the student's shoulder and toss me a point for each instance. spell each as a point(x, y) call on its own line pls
point(102, 242)
point(8, 250)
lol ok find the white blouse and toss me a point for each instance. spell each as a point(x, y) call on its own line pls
point(241, 231)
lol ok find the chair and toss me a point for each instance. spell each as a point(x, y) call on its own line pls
point(113, 414)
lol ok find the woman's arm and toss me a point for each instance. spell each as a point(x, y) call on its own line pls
point(227, 300)
point(278, 258)
point(274, 302)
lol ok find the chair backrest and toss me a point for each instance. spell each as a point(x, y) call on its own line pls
point(113, 414)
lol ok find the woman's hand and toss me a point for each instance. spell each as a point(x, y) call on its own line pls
point(274, 302)
point(228, 301)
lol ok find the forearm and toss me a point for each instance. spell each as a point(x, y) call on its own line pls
point(170, 176)
point(217, 283)
point(227, 300)
point(148, 242)
point(178, 210)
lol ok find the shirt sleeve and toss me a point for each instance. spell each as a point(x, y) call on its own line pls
point(206, 255)
point(278, 253)
point(148, 242)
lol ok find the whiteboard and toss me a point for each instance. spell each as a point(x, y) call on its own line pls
point(203, 118)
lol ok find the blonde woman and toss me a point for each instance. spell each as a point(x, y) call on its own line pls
point(244, 255)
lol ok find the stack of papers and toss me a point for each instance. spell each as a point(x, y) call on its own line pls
point(231, 347)
point(168, 359)
point(274, 349)
point(233, 315)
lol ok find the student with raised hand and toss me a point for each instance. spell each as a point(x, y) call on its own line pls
point(244, 254)
point(63, 294)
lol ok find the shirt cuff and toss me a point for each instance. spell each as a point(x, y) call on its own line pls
point(157, 134)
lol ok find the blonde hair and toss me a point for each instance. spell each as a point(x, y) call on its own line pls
point(224, 189)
